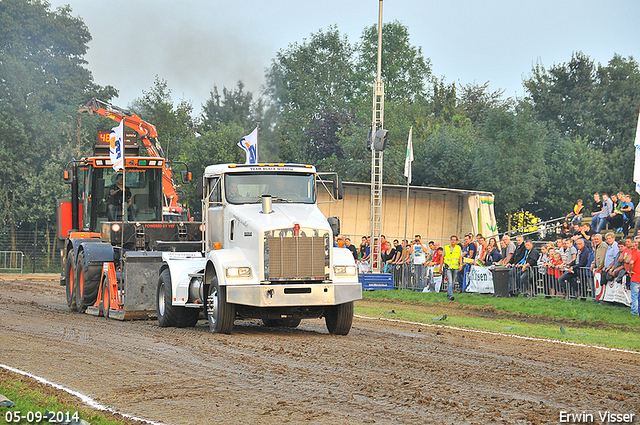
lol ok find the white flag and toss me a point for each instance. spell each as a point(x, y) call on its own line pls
point(116, 146)
point(636, 167)
point(250, 145)
point(409, 158)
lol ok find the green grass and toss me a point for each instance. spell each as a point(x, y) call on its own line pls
point(583, 321)
point(30, 396)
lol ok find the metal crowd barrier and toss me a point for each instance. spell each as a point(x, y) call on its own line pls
point(11, 260)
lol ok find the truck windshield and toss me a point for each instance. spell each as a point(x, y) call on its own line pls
point(247, 188)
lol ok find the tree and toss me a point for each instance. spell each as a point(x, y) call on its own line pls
point(174, 123)
point(306, 81)
point(43, 82)
point(405, 71)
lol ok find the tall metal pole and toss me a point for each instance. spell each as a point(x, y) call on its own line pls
point(376, 157)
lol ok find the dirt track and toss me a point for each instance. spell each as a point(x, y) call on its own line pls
point(380, 373)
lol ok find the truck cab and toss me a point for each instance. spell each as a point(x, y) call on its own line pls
point(267, 253)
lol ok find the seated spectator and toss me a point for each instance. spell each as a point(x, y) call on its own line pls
point(596, 208)
point(566, 231)
point(616, 218)
point(628, 212)
point(577, 213)
point(605, 213)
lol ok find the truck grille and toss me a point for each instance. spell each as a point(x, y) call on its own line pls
point(296, 258)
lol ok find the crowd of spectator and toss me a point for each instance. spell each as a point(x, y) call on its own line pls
point(578, 252)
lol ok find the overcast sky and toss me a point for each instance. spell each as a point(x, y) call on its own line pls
point(196, 44)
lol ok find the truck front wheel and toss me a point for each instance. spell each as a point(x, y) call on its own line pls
point(339, 318)
point(220, 314)
point(164, 306)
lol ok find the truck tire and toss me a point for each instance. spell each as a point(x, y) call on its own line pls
point(169, 314)
point(86, 290)
point(220, 314)
point(339, 318)
point(281, 323)
point(70, 282)
point(164, 303)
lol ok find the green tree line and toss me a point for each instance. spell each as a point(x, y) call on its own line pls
point(570, 135)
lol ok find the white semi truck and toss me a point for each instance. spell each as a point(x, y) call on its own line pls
point(267, 253)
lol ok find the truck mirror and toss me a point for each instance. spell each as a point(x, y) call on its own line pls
point(334, 222)
point(337, 188)
point(200, 187)
point(185, 176)
point(66, 175)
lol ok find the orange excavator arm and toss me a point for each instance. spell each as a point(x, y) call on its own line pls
point(147, 132)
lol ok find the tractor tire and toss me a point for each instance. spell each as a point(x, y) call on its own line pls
point(86, 291)
point(166, 310)
point(220, 314)
point(281, 323)
point(339, 318)
point(70, 283)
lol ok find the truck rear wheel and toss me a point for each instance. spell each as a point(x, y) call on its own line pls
point(86, 291)
point(281, 323)
point(70, 282)
point(339, 318)
point(220, 314)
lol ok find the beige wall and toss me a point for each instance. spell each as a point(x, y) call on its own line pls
point(434, 213)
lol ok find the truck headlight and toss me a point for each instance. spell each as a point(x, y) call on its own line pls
point(238, 271)
point(345, 270)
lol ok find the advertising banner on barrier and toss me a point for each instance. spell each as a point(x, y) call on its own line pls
point(613, 292)
point(480, 280)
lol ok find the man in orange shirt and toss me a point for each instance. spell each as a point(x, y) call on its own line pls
point(634, 272)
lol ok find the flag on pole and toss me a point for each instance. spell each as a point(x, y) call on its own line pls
point(636, 167)
point(116, 146)
point(250, 145)
point(409, 158)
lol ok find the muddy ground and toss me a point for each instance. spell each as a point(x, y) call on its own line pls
point(382, 372)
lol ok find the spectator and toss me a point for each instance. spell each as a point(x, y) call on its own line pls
point(367, 249)
point(419, 260)
point(530, 261)
point(351, 248)
point(397, 246)
point(577, 213)
point(568, 251)
point(507, 251)
point(569, 278)
point(493, 253)
point(565, 231)
point(452, 260)
point(557, 268)
point(469, 251)
point(524, 258)
point(612, 252)
point(435, 265)
point(607, 210)
point(543, 261)
point(628, 211)
point(584, 232)
point(636, 225)
point(600, 249)
point(616, 218)
point(634, 272)
point(387, 258)
point(596, 208)
point(363, 247)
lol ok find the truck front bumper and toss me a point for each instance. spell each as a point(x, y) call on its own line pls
point(294, 295)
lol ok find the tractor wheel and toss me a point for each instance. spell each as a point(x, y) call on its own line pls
point(281, 323)
point(86, 291)
point(69, 282)
point(339, 318)
point(220, 314)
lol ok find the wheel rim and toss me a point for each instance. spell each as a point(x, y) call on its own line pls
point(81, 283)
point(161, 305)
point(212, 306)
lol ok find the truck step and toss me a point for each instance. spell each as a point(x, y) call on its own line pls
point(193, 305)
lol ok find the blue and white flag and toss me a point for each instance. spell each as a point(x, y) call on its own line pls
point(116, 146)
point(250, 145)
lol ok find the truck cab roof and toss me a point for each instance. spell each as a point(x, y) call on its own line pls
point(262, 167)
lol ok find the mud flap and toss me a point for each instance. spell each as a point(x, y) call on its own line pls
point(140, 271)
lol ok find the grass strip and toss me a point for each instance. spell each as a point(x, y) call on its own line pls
point(30, 395)
point(582, 321)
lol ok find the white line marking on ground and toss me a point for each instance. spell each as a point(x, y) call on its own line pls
point(85, 399)
point(529, 338)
